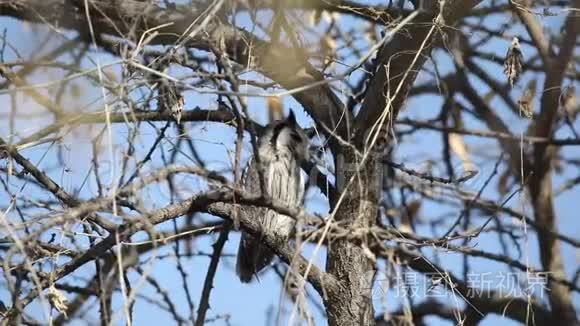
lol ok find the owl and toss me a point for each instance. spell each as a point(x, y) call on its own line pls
point(282, 148)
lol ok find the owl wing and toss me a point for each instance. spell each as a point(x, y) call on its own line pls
point(251, 177)
point(252, 254)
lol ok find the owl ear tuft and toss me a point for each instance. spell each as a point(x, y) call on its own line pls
point(291, 119)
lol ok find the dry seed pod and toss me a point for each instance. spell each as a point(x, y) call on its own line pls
point(58, 300)
point(526, 108)
point(177, 108)
point(526, 102)
point(513, 62)
point(569, 103)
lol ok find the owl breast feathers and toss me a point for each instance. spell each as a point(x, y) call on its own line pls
point(282, 148)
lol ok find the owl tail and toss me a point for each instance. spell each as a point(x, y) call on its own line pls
point(253, 256)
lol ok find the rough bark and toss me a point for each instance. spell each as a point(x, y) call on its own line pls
point(541, 184)
point(348, 261)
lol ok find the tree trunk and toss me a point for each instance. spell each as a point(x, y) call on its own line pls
point(549, 246)
point(347, 260)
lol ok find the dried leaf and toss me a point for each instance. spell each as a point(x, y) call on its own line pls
point(526, 108)
point(171, 99)
point(305, 75)
point(558, 166)
point(177, 108)
point(526, 102)
point(330, 17)
point(315, 17)
point(111, 75)
point(530, 91)
point(413, 208)
point(409, 215)
point(513, 62)
point(275, 109)
point(569, 103)
point(460, 149)
point(76, 91)
point(327, 45)
point(369, 254)
point(502, 184)
point(488, 97)
point(370, 34)
point(58, 300)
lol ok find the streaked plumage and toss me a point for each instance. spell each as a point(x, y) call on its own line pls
point(170, 99)
point(281, 148)
point(513, 62)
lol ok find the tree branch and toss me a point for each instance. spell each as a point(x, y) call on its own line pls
point(217, 203)
point(541, 185)
point(399, 63)
point(130, 19)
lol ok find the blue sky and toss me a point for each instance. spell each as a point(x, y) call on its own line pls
point(249, 304)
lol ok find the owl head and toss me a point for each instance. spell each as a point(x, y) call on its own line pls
point(288, 137)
